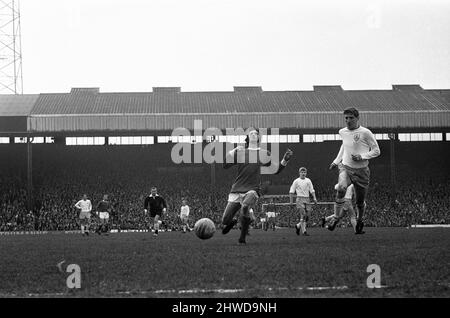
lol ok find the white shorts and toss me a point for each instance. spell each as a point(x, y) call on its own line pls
point(103, 215)
point(263, 220)
point(300, 202)
point(184, 217)
point(270, 214)
point(85, 215)
point(239, 197)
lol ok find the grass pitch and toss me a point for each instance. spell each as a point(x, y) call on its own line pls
point(413, 262)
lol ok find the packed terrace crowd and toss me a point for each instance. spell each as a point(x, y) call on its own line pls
point(60, 179)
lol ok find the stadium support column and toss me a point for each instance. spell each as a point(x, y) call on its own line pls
point(29, 174)
point(392, 137)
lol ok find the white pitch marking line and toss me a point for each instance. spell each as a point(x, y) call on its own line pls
point(231, 291)
point(327, 288)
point(196, 291)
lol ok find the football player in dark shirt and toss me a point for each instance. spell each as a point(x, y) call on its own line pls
point(157, 206)
point(103, 209)
point(245, 190)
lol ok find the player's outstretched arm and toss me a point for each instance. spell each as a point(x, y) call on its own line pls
point(286, 157)
point(231, 158)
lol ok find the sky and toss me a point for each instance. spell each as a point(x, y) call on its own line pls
point(208, 45)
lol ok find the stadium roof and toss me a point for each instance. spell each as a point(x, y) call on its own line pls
point(14, 110)
point(17, 105)
point(166, 108)
point(241, 100)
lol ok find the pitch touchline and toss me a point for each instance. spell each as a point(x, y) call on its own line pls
point(194, 291)
point(231, 291)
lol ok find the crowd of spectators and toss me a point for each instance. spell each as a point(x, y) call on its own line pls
point(62, 176)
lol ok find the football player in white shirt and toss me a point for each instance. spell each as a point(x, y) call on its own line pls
point(302, 187)
point(85, 207)
point(184, 216)
point(358, 146)
point(348, 207)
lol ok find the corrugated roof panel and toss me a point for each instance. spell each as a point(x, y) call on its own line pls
point(17, 105)
point(120, 103)
point(331, 120)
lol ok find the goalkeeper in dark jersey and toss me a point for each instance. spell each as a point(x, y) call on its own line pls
point(245, 190)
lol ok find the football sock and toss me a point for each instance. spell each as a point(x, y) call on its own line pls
point(361, 209)
point(338, 206)
point(303, 226)
point(245, 224)
point(353, 222)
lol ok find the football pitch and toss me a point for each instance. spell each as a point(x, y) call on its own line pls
point(411, 263)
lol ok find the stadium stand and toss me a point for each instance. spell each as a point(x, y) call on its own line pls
point(126, 173)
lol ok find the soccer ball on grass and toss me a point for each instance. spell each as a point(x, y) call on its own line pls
point(204, 228)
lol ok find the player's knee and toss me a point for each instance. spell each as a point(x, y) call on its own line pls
point(249, 200)
point(245, 210)
point(341, 189)
point(226, 219)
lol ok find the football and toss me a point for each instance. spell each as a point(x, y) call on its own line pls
point(204, 228)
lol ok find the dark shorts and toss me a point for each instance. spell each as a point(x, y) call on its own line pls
point(155, 213)
point(359, 177)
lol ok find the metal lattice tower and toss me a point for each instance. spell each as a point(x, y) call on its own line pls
point(11, 81)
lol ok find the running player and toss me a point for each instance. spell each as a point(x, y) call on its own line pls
point(157, 206)
point(245, 190)
point(358, 147)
